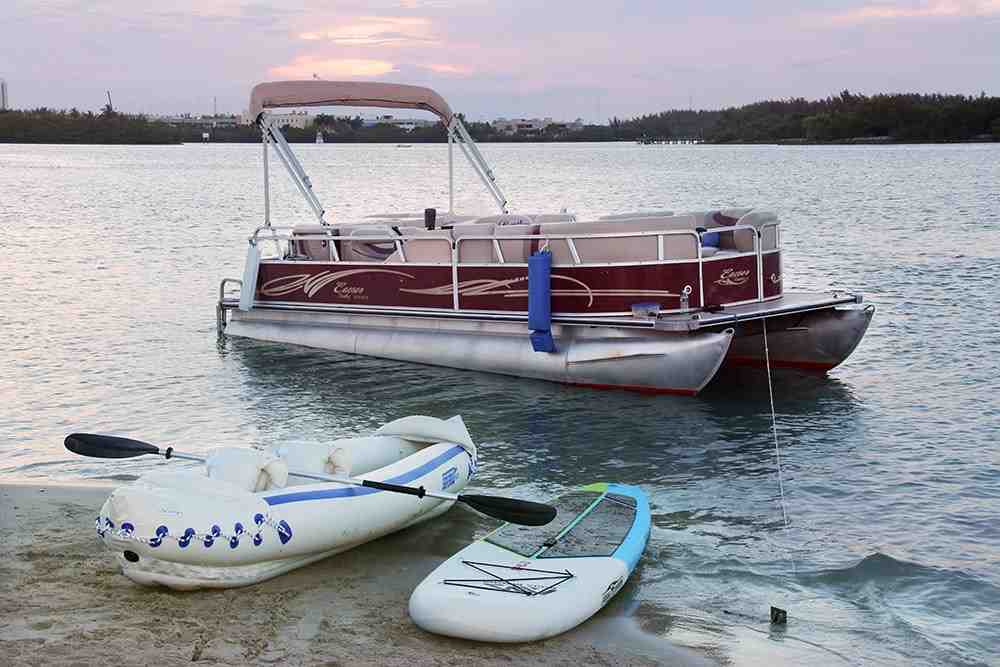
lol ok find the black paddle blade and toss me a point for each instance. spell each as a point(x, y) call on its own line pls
point(523, 512)
point(107, 446)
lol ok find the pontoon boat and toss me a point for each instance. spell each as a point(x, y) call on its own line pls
point(654, 301)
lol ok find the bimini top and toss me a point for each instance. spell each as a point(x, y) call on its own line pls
point(275, 94)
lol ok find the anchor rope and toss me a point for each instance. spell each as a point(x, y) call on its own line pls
point(777, 447)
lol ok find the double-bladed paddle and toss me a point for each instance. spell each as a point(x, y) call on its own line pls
point(523, 512)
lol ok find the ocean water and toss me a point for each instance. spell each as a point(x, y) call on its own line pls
point(111, 261)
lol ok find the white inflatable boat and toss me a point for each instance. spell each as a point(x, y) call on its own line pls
point(240, 520)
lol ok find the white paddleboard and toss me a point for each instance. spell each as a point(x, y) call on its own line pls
point(522, 583)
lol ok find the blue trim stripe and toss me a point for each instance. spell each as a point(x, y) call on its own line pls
point(353, 491)
point(631, 548)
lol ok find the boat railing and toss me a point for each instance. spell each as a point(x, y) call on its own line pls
point(410, 248)
point(543, 240)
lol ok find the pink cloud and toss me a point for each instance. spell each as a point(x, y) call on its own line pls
point(932, 9)
point(444, 68)
point(376, 31)
point(304, 67)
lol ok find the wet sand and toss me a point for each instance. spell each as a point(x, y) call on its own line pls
point(63, 601)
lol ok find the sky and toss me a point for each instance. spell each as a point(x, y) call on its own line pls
point(493, 58)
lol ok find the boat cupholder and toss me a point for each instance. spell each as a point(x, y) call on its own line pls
point(131, 556)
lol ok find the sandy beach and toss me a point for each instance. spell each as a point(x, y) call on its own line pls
point(64, 602)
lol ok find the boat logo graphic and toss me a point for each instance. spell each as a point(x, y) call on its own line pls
point(776, 278)
point(472, 464)
point(519, 579)
point(731, 277)
point(311, 283)
point(448, 478)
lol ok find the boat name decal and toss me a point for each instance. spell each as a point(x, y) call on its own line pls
point(311, 283)
point(448, 478)
point(733, 277)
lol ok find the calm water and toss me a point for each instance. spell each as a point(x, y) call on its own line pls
point(111, 259)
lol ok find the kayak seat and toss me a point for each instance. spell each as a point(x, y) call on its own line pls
point(315, 458)
point(247, 468)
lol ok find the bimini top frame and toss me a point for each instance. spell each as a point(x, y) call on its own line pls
point(278, 94)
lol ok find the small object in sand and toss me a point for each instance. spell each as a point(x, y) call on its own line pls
point(778, 616)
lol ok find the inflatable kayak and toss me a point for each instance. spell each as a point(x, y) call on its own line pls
point(522, 584)
point(243, 519)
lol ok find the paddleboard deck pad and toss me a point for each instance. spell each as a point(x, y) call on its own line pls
point(524, 583)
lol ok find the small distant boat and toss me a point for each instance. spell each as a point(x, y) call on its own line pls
point(319, 137)
point(404, 145)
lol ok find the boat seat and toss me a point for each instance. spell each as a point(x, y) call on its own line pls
point(719, 217)
point(313, 249)
point(503, 219)
point(475, 251)
point(672, 223)
point(426, 246)
point(517, 251)
point(769, 235)
point(376, 249)
point(313, 457)
point(247, 469)
point(622, 249)
point(554, 217)
point(637, 214)
point(740, 240)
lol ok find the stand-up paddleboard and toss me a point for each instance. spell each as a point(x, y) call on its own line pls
point(522, 583)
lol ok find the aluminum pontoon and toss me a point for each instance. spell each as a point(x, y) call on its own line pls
point(654, 301)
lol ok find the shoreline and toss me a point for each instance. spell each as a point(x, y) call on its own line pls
point(65, 602)
point(393, 142)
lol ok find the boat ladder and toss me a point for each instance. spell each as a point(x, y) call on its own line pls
point(222, 305)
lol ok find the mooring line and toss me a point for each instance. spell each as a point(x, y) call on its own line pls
point(777, 448)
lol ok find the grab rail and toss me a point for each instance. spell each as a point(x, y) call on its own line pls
point(220, 307)
point(544, 240)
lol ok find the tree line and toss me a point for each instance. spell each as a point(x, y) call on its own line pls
point(843, 118)
point(846, 117)
point(44, 126)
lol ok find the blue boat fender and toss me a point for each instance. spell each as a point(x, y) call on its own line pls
point(540, 301)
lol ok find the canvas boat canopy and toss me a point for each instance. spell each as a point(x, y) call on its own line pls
point(275, 94)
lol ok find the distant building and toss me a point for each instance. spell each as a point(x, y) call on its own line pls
point(3, 95)
point(297, 119)
point(187, 120)
point(534, 126)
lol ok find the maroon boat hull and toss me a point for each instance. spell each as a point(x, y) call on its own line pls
point(582, 290)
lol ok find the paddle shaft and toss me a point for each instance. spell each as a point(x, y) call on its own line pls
point(523, 512)
point(419, 491)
